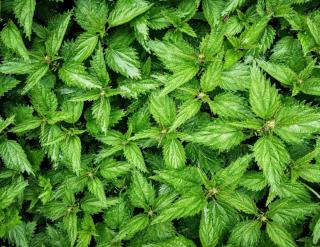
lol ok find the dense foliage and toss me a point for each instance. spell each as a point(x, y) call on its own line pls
point(160, 123)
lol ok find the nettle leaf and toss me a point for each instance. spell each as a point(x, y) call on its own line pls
point(287, 211)
point(125, 10)
point(218, 135)
point(229, 105)
point(163, 109)
point(272, 157)
point(24, 11)
point(56, 35)
point(246, 233)
point(174, 154)
point(187, 205)
point(124, 60)
point(101, 112)
point(11, 38)
point(295, 123)
point(264, 99)
point(85, 45)
point(92, 15)
point(14, 156)
point(72, 152)
point(141, 193)
point(7, 83)
point(134, 225)
point(74, 74)
point(134, 155)
point(8, 194)
point(279, 235)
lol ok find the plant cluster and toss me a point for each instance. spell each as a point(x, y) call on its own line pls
point(148, 123)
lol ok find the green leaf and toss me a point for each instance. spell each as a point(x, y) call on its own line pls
point(92, 15)
point(181, 180)
point(246, 233)
point(173, 154)
point(279, 235)
point(125, 10)
point(85, 45)
point(70, 224)
point(27, 125)
point(211, 76)
point(216, 218)
point(186, 111)
point(7, 83)
point(163, 109)
point(101, 112)
point(178, 79)
point(134, 225)
point(12, 39)
point(176, 56)
point(72, 152)
point(141, 192)
point(231, 175)
point(44, 100)
point(73, 109)
point(272, 157)
point(124, 60)
point(134, 155)
point(14, 156)
point(56, 35)
point(9, 193)
point(288, 211)
point(34, 78)
point(280, 72)
point(212, 10)
point(176, 241)
point(218, 135)
point(111, 169)
point(96, 187)
point(239, 201)
point(316, 232)
point(264, 98)
point(187, 205)
point(254, 181)
point(98, 66)
point(295, 123)
point(232, 106)
point(75, 75)
point(5, 123)
point(24, 11)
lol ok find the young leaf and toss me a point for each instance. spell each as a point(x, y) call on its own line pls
point(126, 10)
point(141, 192)
point(14, 156)
point(124, 60)
point(272, 157)
point(11, 38)
point(264, 98)
point(218, 135)
point(101, 112)
point(246, 233)
point(55, 38)
point(71, 149)
point(134, 225)
point(24, 11)
point(173, 154)
point(74, 74)
point(279, 235)
point(187, 205)
point(163, 109)
point(134, 155)
point(92, 15)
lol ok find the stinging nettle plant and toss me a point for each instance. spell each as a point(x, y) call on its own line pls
point(159, 123)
